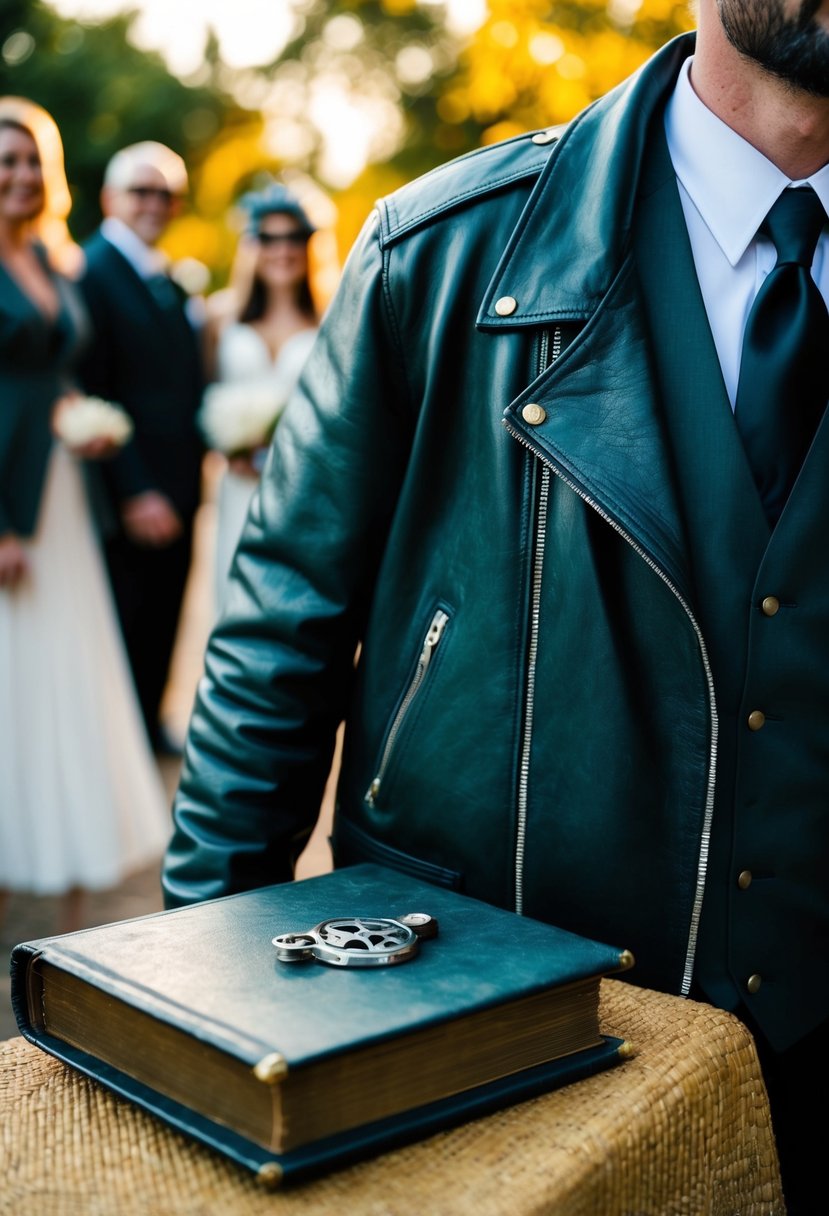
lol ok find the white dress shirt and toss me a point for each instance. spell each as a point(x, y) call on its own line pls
point(146, 261)
point(727, 188)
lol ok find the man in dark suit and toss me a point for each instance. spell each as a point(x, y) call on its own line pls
point(144, 356)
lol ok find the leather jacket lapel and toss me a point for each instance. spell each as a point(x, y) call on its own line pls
point(597, 161)
point(603, 432)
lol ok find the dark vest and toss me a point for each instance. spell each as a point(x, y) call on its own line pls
point(762, 600)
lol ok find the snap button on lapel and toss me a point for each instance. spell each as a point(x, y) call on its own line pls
point(506, 306)
point(533, 414)
point(544, 137)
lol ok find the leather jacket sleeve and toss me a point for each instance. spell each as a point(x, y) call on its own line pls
point(280, 663)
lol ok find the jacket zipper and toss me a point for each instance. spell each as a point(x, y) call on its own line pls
point(430, 644)
point(544, 354)
point(702, 865)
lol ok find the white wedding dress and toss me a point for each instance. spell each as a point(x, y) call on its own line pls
point(243, 357)
point(81, 799)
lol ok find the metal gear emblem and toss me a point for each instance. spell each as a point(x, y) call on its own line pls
point(358, 941)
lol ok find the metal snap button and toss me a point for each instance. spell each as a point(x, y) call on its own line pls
point(533, 414)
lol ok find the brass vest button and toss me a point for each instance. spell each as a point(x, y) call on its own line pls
point(753, 983)
point(544, 137)
point(744, 879)
point(533, 414)
point(770, 605)
point(756, 719)
point(506, 306)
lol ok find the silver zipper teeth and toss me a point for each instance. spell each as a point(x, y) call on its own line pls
point(430, 643)
point(702, 865)
point(535, 622)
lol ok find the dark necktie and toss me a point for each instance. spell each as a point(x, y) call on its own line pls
point(164, 291)
point(784, 371)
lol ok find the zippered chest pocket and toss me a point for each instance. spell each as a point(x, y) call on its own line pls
point(431, 642)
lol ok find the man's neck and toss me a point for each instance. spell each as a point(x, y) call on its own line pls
point(146, 259)
point(789, 126)
point(130, 237)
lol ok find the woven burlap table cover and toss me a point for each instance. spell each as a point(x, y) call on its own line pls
point(680, 1127)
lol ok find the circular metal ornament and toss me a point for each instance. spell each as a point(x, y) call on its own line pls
point(358, 941)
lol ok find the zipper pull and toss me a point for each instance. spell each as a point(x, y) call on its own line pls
point(433, 637)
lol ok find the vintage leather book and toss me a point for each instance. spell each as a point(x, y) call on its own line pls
point(292, 1067)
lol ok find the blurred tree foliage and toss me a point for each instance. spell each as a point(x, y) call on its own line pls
point(429, 94)
point(413, 94)
point(530, 64)
point(534, 63)
point(105, 93)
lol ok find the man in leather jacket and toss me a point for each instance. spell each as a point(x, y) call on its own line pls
point(593, 677)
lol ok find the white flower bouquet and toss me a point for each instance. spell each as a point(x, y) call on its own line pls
point(238, 418)
point(79, 421)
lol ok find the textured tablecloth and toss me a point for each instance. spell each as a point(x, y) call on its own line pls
point(680, 1128)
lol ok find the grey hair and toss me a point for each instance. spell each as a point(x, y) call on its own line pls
point(120, 171)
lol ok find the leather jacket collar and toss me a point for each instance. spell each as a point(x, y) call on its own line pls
point(597, 161)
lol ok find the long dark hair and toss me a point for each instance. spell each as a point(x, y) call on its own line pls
point(254, 304)
point(254, 300)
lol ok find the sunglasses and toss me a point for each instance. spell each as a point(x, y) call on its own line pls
point(147, 192)
point(296, 239)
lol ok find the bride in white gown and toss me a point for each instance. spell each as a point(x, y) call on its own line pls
point(259, 353)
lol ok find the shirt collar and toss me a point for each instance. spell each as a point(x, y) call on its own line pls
point(146, 260)
point(731, 184)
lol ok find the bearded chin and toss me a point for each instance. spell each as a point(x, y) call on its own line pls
point(793, 48)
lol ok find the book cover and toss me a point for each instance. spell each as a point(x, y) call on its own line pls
point(291, 1067)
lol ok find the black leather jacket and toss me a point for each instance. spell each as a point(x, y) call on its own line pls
point(471, 486)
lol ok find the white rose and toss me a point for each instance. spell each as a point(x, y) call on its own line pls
point(83, 420)
point(235, 418)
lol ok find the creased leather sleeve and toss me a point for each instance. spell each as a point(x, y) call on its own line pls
point(279, 664)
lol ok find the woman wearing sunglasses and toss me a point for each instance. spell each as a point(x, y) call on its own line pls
point(260, 349)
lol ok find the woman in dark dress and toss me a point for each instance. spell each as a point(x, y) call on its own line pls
point(81, 801)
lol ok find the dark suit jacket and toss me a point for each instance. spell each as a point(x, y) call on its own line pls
point(146, 358)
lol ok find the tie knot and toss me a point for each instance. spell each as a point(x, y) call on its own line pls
point(794, 224)
point(163, 290)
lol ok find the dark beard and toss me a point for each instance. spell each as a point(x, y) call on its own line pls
point(795, 49)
